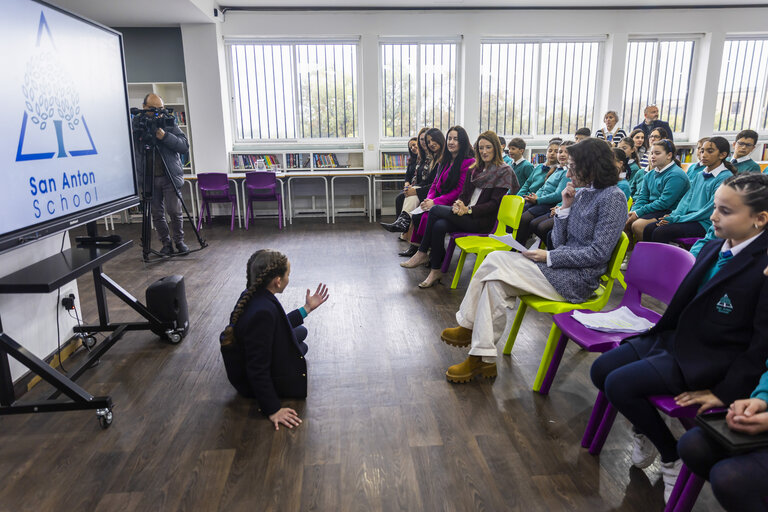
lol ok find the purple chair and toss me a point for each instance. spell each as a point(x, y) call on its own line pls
point(654, 269)
point(214, 188)
point(452, 246)
point(687, 243)
point(262, 186)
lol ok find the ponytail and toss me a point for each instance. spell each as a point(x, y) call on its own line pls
point(263, 266)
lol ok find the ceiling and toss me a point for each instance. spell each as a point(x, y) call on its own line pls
point(146, 13)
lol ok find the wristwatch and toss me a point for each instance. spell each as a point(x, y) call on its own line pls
point(469, 210)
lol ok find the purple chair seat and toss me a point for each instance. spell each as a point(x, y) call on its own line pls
point(687, 242)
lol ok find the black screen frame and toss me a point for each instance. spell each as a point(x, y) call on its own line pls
point(44, 229)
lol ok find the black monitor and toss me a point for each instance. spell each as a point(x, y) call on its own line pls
point(66, 154)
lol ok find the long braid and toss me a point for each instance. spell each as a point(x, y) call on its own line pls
point(263, 266)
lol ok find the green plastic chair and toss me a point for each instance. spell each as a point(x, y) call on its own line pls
point(620, 277)
point(595, 303)
point(510, 212)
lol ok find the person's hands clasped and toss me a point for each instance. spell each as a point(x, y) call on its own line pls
point(539, 255)
point(317, 299)
point(459, 208)
point(704, 397)
point(286, 416)
point(632, 217)
point(663, 221)
point(531, 198)
point(410, 191)
point(748, 416)
point(568, 194)
point(427, 204)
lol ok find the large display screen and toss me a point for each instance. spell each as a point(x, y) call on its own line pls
point(65, 139)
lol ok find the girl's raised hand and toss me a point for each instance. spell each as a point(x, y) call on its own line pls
point(314, 301)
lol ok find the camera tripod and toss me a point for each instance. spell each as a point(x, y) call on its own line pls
point(151, 153)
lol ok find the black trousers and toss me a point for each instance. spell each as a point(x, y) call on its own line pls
point(441, 221)
point(738, 481)
point(542, 226)
point(669, 232)
point(530, 213)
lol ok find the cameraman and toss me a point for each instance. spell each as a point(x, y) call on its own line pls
point(170, 144)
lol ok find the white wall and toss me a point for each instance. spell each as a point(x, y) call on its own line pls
point(30, 319)
point(617, 26)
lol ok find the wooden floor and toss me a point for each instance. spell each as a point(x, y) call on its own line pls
point(382, 430)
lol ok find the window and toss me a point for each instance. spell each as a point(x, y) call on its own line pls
point(294, 90)
point(418, 87)
point(657, 73)
point(741, 92)
point(537, 88)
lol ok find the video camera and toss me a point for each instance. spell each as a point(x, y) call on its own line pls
point(146, 122)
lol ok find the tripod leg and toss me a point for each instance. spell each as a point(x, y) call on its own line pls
point(177, 190)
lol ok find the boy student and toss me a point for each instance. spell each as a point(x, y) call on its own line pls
point(507, 159)
point(744, 145)
point(522, 167)
point(581, 134)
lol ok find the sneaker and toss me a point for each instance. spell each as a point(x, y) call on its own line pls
point(669, 473)
point(624, 264)
point(643, 451)
point(167, 250)
point(182, 248)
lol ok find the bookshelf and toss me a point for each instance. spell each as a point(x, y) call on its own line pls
point(298, 161)
point(394, 160)
point(174, 96)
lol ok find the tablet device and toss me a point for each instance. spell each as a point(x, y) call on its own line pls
point(734, 442)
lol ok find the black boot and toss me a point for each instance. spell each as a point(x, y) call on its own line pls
point(400, 225)
point(410, 251)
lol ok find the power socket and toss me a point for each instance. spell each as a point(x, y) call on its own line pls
point(68, 302)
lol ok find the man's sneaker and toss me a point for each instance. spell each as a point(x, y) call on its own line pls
point(669, 473)
point(167, 250)
point(182, 248)
point(643, 451)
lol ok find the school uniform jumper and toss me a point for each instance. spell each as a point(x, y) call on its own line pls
point(661, 191)
point(745, 164)
point(713, 335)
point(523, 170)
point(694, 169)
point(535, 180)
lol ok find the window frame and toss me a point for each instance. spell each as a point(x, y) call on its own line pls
point(244, 144)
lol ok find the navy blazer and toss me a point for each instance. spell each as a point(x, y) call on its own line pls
point(719, 335)
point(267, 361)
point(647, 129)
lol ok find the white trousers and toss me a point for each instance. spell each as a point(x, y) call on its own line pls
point(502, 276)
point(410, 203)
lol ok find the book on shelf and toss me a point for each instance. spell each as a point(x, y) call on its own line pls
point(326, 160)
point(242, 162)
point(765, 153)
point(293, 161)
point(685, 155)
point(538, 158)
point(395, 160)
point(181, 117)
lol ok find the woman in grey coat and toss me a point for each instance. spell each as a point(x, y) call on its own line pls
point(587, 227)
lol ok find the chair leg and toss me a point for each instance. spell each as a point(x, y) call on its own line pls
point(279, 212)
point(546, 357)
point(554, 364)
point(448, 255)
point(459, 268)
point(687, 496)
point(598, 411)
point(200, 218)
point(479, 261)
point(248, 214)
point(232, 222)
point(603, 429)
point(521, 308)
point(620, 278)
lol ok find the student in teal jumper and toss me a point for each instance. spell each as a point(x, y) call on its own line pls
point(691, 217)
point(507, 159)
point(697, 167)
point(661, 191)
point(522, 167)
point(541, 203)
point(540, 172)
point(635, 174)
point(744, 145)
point(622, 165)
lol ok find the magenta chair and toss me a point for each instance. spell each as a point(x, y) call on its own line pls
point(654, 269)
point(687, 243)
point(214, 188)
point(452, 246)
point(262, 186)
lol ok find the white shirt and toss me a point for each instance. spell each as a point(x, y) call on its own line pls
point(741, 159)
point(739, 247)
point(670, 164)
point(720, 168)
point(517, 162)
point(475, 196)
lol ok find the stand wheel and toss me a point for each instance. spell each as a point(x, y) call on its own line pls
point(105, 417)
point(174, 337)
point(89, 341)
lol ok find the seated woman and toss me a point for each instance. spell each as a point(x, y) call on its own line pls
point(474, 212)
point(587, 228)
point(263, 347)
point(640, 143)
point(611, 132)
point(661, 191)
point(539, 204)
point(455, 160)
point(416, 178)
point(541, 172)
point(691, 217)
point(738, 480)
point(708, 347)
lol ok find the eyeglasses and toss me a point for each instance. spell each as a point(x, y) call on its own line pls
point(744, 144)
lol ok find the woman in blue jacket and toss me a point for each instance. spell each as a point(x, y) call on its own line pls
point(263, 347)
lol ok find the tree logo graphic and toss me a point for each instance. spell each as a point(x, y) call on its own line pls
point(51, 99)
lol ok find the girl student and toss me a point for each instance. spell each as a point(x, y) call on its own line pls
point(586, 230)
point(690, 219)
point(436, 147)
point(662, 189)
point(654, 136)
point(738, 480)
point(611, 132)
point(416, 178)
point(448, 184)
point(640, 142)
point(540, 203)
point(263, 347)
point(622, 167)
point(709, 346)
point(541, 171)
point(475, 211)
point(634, 174)
point(697, 167)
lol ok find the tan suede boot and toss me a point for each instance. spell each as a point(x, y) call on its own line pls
point(474, 365)
point(457, 336)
